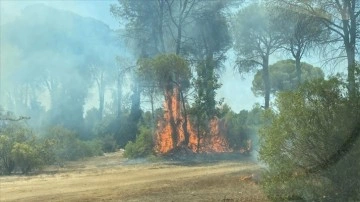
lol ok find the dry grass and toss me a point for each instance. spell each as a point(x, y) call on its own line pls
point(111, 178)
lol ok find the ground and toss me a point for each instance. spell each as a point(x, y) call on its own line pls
point(114, 178)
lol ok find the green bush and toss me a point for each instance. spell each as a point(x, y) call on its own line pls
point(304, 135)
point(108, 143)
point(142, 147)
point(7, 163)
point(89, 148)
point(67, 147)
point(19, 148)
point(26, 157)
point(242, 128)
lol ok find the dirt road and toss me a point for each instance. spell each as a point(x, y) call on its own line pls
point(93, 180)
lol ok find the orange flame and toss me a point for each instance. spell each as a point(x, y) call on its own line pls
point(214, 142)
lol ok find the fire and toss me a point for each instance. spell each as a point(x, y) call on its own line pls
point(218, 142)
point(172, 123)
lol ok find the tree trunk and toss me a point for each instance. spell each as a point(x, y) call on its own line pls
point(351, 70)
point(135, 111)
point(101, 89)
point(178, 40)
point(298, 70)
point(184, 125)
point(101, 102)
point(198, 135)
point(173, 125)
point(119, 96)
point(152, 112)
point(349, 29)
point(161, 20)
point(266, 78)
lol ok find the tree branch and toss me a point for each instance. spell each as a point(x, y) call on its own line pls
point(170, 12)
point(14, 119)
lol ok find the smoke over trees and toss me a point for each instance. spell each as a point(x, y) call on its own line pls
point(152, 87)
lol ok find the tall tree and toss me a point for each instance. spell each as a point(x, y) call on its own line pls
point(123, 70)
point(283, 76)
point(256, 38)
point(145, 73)
point(98, 75)
point(301, 33)
point(179, 14)
point(341, 17)
point(135, 110)
point(144, 24)
point(210, 41)
point(172, 75)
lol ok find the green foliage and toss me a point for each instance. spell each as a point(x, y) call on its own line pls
point(256, 117)
point(142, 147)
point(311, 124)
point(223, 110)
point(118, 129)
point(91, 120)
point(19, 149)
point(237, 130)
point(142, 19)
point(255, 36)
point(67, 147)
point(26, 157)
point(206, 85)
point(108, 143)
point(204, 106)
point(283, 76)
point(301, 32)
point(243, 126)
point(170, 68)
point(210, 33)
point(7, 163)
point(23, 151)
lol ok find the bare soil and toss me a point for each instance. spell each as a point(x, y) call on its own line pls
point(113, 178)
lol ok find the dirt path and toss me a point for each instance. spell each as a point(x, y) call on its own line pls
point(139, 182)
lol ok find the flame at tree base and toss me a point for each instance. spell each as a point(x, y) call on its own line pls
point(215, 141)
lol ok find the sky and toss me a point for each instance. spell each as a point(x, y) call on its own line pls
point(236, 89)
point(98, 9)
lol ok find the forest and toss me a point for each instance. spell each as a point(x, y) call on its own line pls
point(71, 88)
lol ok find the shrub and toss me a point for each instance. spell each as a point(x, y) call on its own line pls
point(19, 148)
point(108, 143)
point(301, 145)
point(143, 146)
point(89, 148)
point(67, 147)
point(7, 163)
point(26, 157)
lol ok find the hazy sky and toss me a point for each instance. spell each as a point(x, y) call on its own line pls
point(235, 90)
point(98, 9)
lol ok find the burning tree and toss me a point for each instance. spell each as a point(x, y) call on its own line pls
point(212, 141)
point(172, 75)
